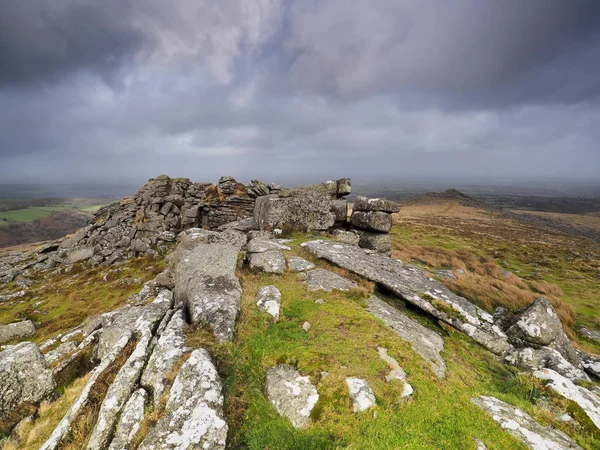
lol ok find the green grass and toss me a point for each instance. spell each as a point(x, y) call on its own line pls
point(343, 341)
point(69, 298)
point(36, 213)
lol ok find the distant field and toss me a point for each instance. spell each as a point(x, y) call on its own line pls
point(35, 213)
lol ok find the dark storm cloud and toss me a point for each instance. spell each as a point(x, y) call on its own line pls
point(122, 88)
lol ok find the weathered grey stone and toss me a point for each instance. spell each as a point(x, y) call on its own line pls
point(260, 245)
point(298, 264)
point(522, 426)
point(168, 350)
point(587, 400)
point(130, 421)
point(480, 445)
point(590, 334)
point(130, 373)
point(24, 378)
point(424, 341)
point(205, 283)
point(591, 363)
point(347, 237)
point(81, 254)
point(378, 242)
point(411, 285)
point(344, 186)
point(397, 373)
point(83, 399)
point(361, 394)
point(527, 358)
point(324, 280)
point(60, 352)
point(302, 210)
point(538, 326)
point(292, 395)
point(194, 412)
point(268, 299)
point(271, 261)
point(133, 319)
point(372, 221)
point(375, 204)
point(340, 210)
point(16, 330)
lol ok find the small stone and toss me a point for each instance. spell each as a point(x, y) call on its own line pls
point(268, 299)
point(361, 394)
point(306, 326)
point(271, 261)
point(319, 301)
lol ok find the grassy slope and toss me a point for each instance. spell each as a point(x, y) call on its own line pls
point(343, 341)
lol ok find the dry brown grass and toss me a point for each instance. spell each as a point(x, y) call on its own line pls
point(485, 283)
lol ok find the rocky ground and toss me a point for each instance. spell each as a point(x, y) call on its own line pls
point(296, 333)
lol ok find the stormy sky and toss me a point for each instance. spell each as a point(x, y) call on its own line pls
point(123, 90)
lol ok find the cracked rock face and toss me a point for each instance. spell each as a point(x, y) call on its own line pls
point(298, 264)
point(324, 280)
point(532, 359)
point(169, 348)
point(24, 377)
point(589, 402)
point(268, 299)
point(522, 426)
point(424, 341)
point(194, 411)
point(411, 285)
point(292, 395)
point(361, 394)
point(130, 421)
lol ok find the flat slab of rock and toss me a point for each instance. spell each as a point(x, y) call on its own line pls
point(424, 341)
point(271, 261)
point(130, 421)
point(411, 285)
point(16, 330)
point(204, 267)
point(375, 204)
point(24, 377)
point(169, 348)
point(261, 245)
point(587, 400)
point(298, 264)
point(292, 395)
point(522, 426)
point(361, 394)
point(324, 280)
point(194, 412)
point(539, 358)
point(268, 299)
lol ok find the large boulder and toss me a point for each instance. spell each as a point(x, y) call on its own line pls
point(17, 330)
point(271, 261)
point(25, 379)
point(292, 395)
point(377, 242)
point(539, 326)
point(301, 211)
point(194, 412)
point(203, 268)
point(530, 359)
point(372, 221)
